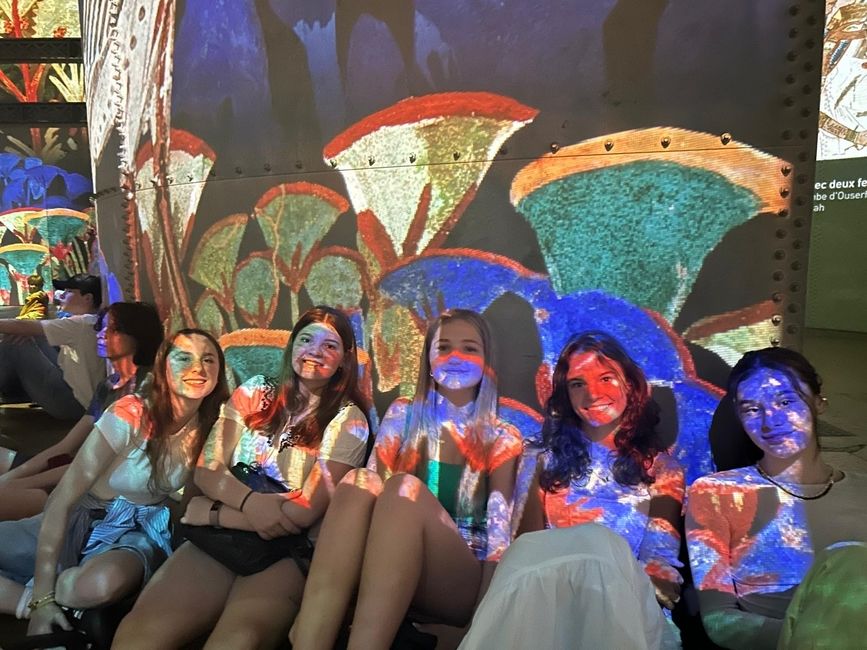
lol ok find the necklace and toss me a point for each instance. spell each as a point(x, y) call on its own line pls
point(805, 497)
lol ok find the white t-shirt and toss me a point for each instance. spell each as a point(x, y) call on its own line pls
point(129, 473)
point(82, 368)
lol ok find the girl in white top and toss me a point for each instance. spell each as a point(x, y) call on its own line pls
point(306, 431)
point(140, 450)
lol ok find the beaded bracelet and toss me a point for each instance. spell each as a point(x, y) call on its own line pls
point(244, 500)
point(36, 603)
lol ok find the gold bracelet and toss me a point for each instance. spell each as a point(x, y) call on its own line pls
point(36, 603)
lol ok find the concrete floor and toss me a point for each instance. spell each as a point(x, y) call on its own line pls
point(840, 357)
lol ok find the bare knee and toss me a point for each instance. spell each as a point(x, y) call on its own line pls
point(84, 587)
point(403, 487)
point(361, 479)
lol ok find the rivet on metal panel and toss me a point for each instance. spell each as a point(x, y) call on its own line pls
point(792, 329)
point(665, 142)
point(778, 276)
point(238, 170)
point(456, 155)
point(797, 244)
point(796, 265)
point(725, 138)
point(793, 308)
point(609, 145)
point(333, 163)
point(775, 341)
point(504, 151)
point(779, 254)
point(776, 319)
point(782, 212)
point(784, 192)
point(412, 157)
point(795, 287)
point(371, 160)
point(777, 297)
point(267, 167)
point(781, 233)
point(553, 146)
point(785, 170)
point(299, 164)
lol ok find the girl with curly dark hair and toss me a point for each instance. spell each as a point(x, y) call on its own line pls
point(601, 462)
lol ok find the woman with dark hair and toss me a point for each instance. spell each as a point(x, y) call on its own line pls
point(303, 432)
point(602, 463)
point(416, 529)
point(128, 335)
point(754, 532)
point(107, 520)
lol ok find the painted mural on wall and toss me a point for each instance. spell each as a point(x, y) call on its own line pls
point(558, 169)
point(45, 218)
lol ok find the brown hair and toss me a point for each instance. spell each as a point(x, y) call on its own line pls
point(342, 387)
point(161, 416)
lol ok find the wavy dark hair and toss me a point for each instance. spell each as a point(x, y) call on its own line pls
point(141, 321)
point(162, 416)
point(342, 387)
point(636, 440)
point(792, 364)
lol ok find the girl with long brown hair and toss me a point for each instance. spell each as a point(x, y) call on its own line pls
point(106, 520)
point(303, 432)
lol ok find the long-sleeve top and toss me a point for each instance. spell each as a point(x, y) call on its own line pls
point(751, 544)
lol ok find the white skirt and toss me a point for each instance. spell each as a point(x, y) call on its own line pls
point(577, 587)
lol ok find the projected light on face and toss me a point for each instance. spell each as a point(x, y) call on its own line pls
point(597, 391)
point(457, 355)
point(317, 353)
point(774, 413)
point(193, 367)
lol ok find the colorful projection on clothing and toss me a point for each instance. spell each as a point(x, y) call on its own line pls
point(399, 162)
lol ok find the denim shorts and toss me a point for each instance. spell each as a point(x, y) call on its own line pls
point(136, 542)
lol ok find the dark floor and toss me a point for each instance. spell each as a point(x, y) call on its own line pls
point(840, 357)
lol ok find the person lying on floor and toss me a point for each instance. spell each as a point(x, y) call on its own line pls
point(105, 527)
point(129, 334)
point(54, 361)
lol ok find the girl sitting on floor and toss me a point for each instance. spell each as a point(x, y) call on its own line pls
point(304, 432)
point(602, 462)
point(754, 532)
point(415, 529)
point(128, 336)
point(106, 520)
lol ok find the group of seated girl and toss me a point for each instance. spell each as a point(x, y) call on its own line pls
point(422, 527)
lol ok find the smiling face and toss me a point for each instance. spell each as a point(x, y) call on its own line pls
point(193, 367)
point(597, 393)
point(317, 354)
point(112, 344)
point(775, 413)
point(457, 356)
